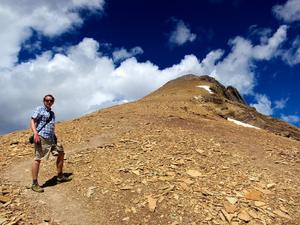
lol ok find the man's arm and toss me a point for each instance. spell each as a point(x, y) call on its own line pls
point(35, 133)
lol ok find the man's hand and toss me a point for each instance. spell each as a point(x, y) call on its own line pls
point(36, 138)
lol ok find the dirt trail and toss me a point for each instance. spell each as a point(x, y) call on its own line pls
point(57, 205)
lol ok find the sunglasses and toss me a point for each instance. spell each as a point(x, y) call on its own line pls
point(49, 100)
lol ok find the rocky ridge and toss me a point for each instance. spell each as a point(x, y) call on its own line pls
point(169, 158)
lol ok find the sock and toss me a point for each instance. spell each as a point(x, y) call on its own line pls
point(60, 174)
point(34, 181)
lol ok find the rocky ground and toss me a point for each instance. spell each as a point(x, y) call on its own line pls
point(165, 159)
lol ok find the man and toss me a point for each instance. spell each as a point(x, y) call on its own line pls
point(43, 126)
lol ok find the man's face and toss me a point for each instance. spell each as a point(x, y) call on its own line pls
point(48, 102)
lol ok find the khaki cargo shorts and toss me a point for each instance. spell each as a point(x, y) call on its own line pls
point(45, 147)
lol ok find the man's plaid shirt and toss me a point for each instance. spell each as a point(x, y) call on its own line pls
point(41, 115)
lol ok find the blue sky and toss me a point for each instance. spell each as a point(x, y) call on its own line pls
point(92, 54)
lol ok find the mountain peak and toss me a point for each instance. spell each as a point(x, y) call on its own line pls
point(205, 95)
point(190, 84)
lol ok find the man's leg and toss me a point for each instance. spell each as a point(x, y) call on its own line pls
point(60, 162)
point(35, 169)
point(35, 172)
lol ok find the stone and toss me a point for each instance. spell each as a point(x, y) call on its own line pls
point(194, 173)
point(200, 151)
point(125, 219)
point(227, 216)
point(283, 209)
point(152, 203)
point(136, 172)
point(207, 193)
point(231, 200)
point(126, 187)
point(187, 181)
point(259, 203)
point(4, 199)
point(176, 196)
point(254, 179)
point(243, 215)
point(264, 191)
point(269, 186)
point(179, 162)
point(253, 195)
point(230, 208)
point(235, 223)
point(133, 210)
point(256, 222)
point(253, 214)
point(166, 178)
point(2, 220)
point(282, 214)
point(184, 186)
point(91, 191)
point(222, 216)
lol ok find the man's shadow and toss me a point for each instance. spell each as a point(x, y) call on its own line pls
point(53, 181)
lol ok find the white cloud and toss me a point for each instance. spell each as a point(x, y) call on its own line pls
point(291, 118)
point(261, 33)
point(289, 12)
point(265, 51)
point(292, 55)
point(122, 53)
point(237, 68)
point(182, 34)
point(263, 104)
point(281, 104)
point(83, 79)
point(51, 18)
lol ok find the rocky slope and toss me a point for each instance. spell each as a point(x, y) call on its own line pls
point(169, 158)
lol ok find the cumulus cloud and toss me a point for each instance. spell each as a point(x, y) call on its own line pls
point(122, 53)
point(50, 18)
point(266, 50)
point(83, 79)
point(292, 55)
point(289, 12)
point(291, 118)
point(263, 105)
point(181, 34)
point(261, 33)
point(238, 67)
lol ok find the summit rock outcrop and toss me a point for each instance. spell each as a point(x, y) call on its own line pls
point(223, 101)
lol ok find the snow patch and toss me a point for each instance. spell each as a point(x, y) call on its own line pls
point(241, 123)
point(207, 88)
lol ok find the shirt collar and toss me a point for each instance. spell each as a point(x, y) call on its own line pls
point(48, 110)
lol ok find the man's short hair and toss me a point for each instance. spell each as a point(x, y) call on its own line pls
point(48, 96)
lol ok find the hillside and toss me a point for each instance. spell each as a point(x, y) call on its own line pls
point(170, 158)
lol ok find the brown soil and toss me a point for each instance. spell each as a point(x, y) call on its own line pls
point(162, 160)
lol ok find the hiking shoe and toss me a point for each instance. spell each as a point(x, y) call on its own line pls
point(37, 188)
point(63, 179)
point(55, 153)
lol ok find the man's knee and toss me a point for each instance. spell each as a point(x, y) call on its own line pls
point(61, 154)
point(36, 161)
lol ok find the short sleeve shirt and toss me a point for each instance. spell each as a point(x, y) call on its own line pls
point(41, 115)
